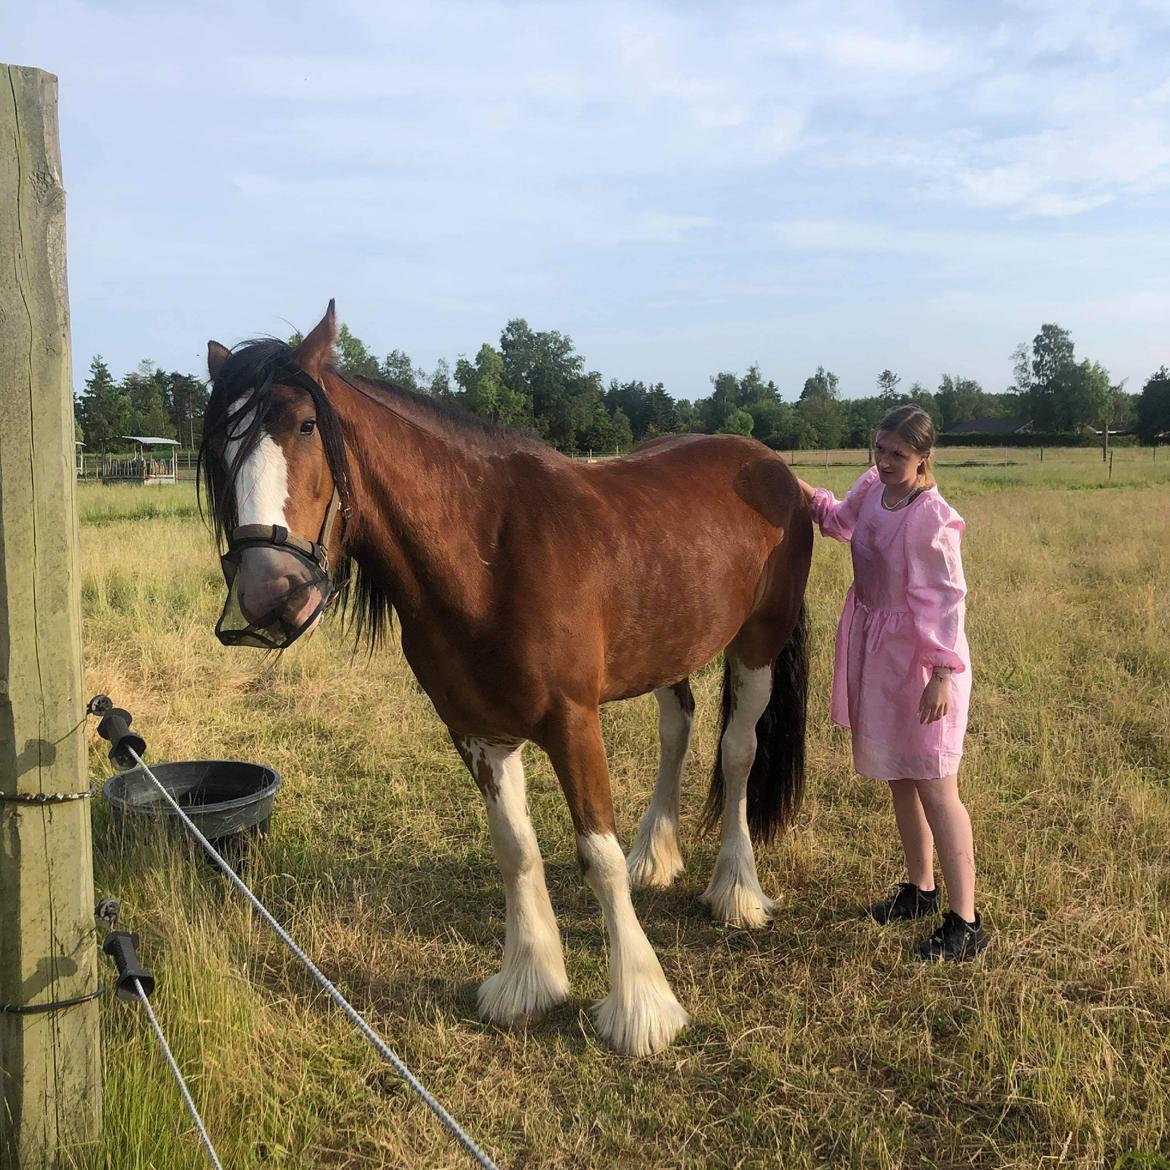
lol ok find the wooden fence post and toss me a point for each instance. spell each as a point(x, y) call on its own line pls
point(50, 1070)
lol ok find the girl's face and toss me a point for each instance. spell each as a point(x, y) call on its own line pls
point(897, 462)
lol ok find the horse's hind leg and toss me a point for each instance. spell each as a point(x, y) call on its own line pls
point(640, 1015)
point(532, 978)
point(655, 859)
point(734, 892)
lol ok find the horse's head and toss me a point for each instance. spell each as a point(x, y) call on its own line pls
point(274, 468)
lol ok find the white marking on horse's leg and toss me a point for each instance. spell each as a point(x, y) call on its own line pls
point(261, 483)
point(734, 892)
point(532, 978)
point(640, 1015)
point(655, 858)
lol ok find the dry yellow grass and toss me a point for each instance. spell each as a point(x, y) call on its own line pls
point(816, 1043)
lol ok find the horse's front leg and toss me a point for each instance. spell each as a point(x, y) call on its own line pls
point(640, 1015)
point(655, 858)
point(532, 979)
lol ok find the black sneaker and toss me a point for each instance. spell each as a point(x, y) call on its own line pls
point(955, 940)
point(907, 901)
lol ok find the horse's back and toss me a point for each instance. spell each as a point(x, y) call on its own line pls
point(701, 476)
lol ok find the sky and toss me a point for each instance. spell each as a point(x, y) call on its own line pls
point(681, 188)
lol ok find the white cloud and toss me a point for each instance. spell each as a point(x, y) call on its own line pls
point(695, 174)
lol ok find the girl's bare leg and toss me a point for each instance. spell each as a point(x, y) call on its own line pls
point(947, 818)
point(914, 830)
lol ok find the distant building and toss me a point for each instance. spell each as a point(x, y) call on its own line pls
point(153, 461)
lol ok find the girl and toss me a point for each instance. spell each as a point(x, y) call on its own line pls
point(902, 677)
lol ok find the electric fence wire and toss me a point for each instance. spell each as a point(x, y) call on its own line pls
point(379, 1045)
point(178, 1075)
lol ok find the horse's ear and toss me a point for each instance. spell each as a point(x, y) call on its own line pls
point(216, 356)
point(316, 350)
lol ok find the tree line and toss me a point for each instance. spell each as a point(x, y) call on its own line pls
point(536, 381)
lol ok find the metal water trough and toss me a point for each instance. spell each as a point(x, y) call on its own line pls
point(224, 798)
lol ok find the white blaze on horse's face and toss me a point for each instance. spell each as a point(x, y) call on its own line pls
point(261, 493)
point(261, 485)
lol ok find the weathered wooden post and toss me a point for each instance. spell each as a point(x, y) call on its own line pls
point(50, 1070)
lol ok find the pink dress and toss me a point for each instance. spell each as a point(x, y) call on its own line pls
point(903, 616)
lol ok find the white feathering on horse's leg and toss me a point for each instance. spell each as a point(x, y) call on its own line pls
point(655, 859)
point(640, 1015)
point(532, 978)
point(734, 893)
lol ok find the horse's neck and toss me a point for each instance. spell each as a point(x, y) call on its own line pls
point(427, 504)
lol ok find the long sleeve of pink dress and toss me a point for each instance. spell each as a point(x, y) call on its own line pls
point(903, 616)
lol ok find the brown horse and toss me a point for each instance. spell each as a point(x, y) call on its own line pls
point(530, 589)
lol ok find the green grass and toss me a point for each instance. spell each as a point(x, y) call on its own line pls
point(815, 1043)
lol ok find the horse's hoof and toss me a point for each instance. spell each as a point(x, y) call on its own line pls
point(640, 1023)
point(652, 873)
point(519, 997)
point(739, 905)
point(654, 861)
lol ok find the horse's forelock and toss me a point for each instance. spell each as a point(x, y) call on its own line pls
point(241, 398)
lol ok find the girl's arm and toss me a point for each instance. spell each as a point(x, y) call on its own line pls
point(837, 518)
point(935, 596)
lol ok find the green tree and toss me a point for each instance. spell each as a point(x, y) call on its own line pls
point(622, 431)
point(820, 415)
point(1123, 415)
point(921, 397)
point(887, 383)
point(1089, 396)
point(396, 367)
point(823, 383)
point(186, 401)
point(482, 389)
point(633, 400)
point(353, 357)
point(753, 389)
point(103, 408)
point(861, 420)
point(664, 413)
point(438, 384)
point(772, 421)
point(1052, 389)
point(544, 369)
point(960, 400)
point(146, 388)
point(737, 422)
point(724, 398)
point(1022, 369)
point(1153, 408)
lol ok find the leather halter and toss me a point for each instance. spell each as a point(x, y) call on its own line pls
point(278, 535)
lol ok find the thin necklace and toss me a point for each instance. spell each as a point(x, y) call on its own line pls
point(902, 502)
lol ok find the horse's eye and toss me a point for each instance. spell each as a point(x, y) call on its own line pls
point(308, 425)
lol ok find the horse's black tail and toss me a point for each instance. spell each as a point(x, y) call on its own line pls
point(776, 781)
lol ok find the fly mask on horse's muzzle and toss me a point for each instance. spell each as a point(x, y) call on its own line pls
point(278, 584)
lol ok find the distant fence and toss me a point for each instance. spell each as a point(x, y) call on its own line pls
point(89, 466)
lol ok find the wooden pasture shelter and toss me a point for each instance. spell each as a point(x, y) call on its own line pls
point(151, 462)
point(50, 1066)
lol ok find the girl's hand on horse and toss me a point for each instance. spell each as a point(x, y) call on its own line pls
point(936, 697)
point(807, 488)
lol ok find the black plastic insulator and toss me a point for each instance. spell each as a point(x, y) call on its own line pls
point(115, 726)
point(119, 945)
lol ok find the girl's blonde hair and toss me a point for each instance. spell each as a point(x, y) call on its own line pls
point(916, 429)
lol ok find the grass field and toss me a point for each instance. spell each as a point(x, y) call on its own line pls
point(815, 1043)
